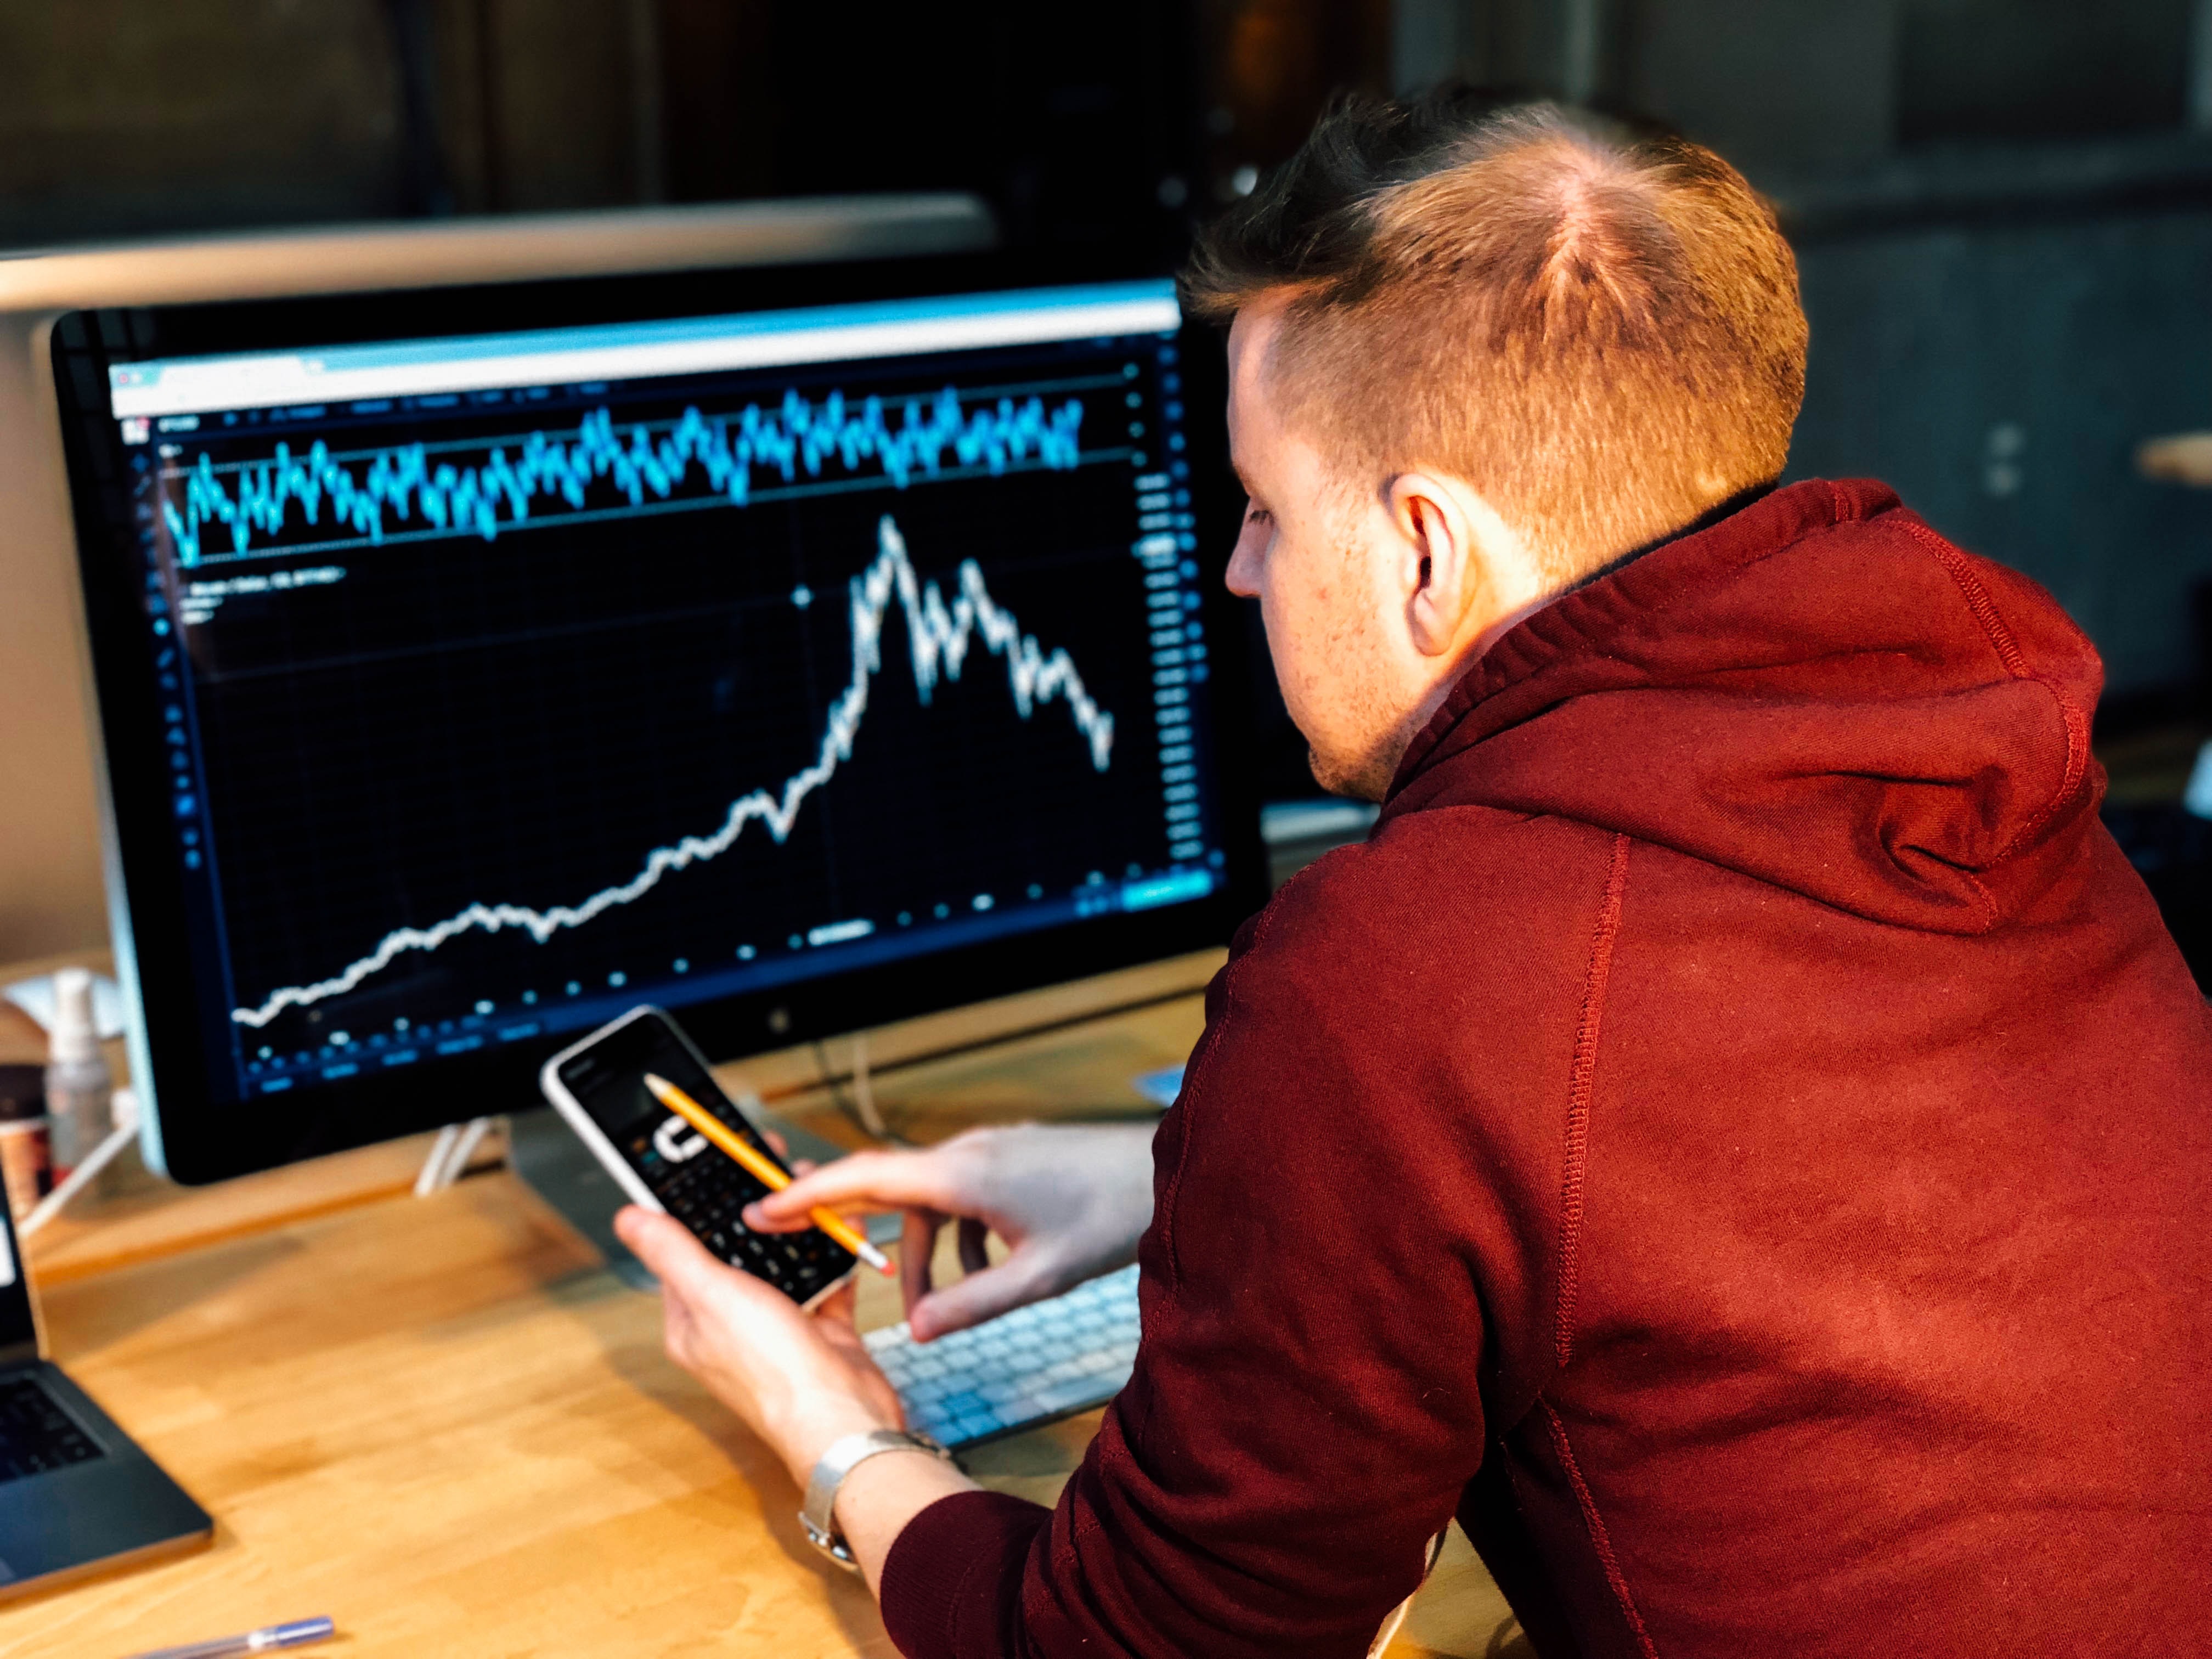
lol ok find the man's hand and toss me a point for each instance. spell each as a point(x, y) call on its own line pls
point(800, 1380)
point(1071, 1202)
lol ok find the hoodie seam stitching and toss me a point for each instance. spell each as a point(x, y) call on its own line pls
point(2000, 636)
point(2006, 644)
point(2077, 754)
point(1601, 1540)
point(1580, 1082)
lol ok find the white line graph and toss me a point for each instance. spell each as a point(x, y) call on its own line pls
point(938, 636)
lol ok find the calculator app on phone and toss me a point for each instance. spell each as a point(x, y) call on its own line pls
point(664, 1163)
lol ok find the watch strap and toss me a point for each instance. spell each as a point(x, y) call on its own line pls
point(817, 1515)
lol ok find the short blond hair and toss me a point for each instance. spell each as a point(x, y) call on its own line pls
point(1599, 330)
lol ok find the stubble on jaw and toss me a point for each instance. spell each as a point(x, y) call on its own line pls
point(1362, 772)
point(1365, 776)
point(1359, 694)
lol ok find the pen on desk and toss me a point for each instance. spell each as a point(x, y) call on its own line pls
point(298, 1633)
point(761, 1169)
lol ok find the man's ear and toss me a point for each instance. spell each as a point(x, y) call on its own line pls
point(1444, 573)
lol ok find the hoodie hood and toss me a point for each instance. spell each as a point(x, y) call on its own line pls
point(1819, 692)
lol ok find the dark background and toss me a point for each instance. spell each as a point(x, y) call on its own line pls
point(2002, 209)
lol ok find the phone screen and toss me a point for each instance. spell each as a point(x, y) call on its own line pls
point(700, 1186)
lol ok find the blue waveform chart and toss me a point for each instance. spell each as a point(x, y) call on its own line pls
point(945, 624)
point(323, 499)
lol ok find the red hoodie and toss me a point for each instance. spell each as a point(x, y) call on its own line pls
point(1735, 1134)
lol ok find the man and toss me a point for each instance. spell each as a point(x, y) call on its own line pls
point(1734, 1135)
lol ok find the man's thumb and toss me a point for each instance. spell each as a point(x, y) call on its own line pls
point(663, 1243)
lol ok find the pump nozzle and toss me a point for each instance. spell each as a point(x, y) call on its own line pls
point(74, 1036)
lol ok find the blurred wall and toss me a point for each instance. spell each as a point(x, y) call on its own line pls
point(124, 117)
point(2000, 376)
point(117, 117)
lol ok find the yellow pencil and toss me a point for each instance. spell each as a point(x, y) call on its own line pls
point(761, 1169)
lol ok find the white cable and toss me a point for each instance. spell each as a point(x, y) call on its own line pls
point(427, 1183)
point(449, 1155)
point(864, 1093)
point(465, 1146)
point(125, 1105)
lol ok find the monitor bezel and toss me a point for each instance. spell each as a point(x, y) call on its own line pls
point(203, 1139)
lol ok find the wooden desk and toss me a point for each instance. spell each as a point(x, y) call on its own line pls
point(442, 1422)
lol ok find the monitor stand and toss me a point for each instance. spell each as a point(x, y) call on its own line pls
point(545, 1152)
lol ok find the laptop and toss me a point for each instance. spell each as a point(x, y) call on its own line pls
point(76, 1495)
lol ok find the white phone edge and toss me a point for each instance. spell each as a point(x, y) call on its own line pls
point(595, 1141)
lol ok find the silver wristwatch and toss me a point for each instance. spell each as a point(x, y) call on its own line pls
point(818, 1514)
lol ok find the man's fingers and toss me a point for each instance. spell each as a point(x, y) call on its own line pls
point(917, 1244)
point(974, 1257)
point(867, 1180)
point(976, 1298)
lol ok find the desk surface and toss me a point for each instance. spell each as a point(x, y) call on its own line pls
point(443, 1423)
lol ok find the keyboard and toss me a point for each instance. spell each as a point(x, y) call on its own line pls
point(36, 1434)
point(1032, 1366)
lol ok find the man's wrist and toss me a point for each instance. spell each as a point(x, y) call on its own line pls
point(818, 1514)
point(804, 1442)
point(880, 1497)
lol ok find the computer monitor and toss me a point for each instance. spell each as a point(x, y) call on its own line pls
point(799, 649)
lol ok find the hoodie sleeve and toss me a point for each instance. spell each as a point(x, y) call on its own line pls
point(1304, 1410)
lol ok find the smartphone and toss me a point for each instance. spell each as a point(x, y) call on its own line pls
point(663, 1164)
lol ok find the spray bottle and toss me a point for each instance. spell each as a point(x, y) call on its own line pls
point(79, 1091)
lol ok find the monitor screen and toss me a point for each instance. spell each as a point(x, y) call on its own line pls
point(19, 1326)
point(792, 667)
